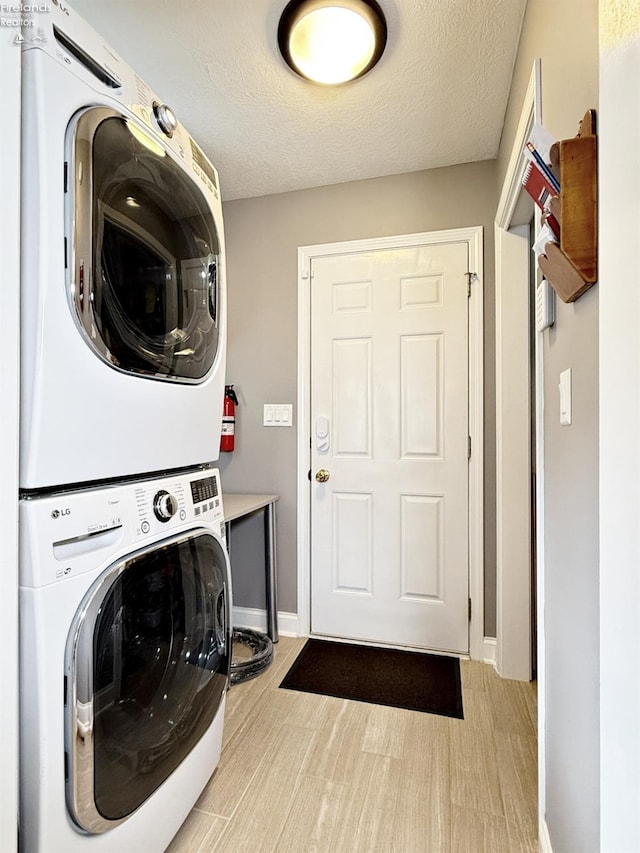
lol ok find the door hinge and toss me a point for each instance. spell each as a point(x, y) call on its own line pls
point(469, 610)
point(471, 276)
point(468, 447)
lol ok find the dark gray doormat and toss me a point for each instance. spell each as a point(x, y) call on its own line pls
point(412, 680)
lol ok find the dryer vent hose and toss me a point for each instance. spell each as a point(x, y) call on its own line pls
point(244, 668)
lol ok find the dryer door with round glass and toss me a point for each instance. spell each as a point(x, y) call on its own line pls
point(147, 665)
point(146, 251)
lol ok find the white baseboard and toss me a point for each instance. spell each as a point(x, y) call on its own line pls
point(289, 626)
point(251, 617)
point(489, 650)
point(544, 841)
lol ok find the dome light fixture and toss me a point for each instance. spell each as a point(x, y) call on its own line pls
point(332, 41)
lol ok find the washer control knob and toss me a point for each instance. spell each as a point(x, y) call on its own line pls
point(165, 506)
point(166, 118)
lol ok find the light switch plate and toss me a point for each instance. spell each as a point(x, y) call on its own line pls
point(545, 306)
point(278, 414)
point(565, 397)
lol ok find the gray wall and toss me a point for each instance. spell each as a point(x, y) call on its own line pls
point(564, 33)
point(263, 235)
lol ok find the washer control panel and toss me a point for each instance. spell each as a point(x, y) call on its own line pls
point(190, 497)
point(206, 496)
point(69, 533)
point(165, 505)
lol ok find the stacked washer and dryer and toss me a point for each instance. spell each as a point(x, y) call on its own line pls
point(125, 591)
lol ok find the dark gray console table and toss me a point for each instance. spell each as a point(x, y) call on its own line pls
point(239, 506)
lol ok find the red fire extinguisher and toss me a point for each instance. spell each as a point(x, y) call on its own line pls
point(228, 432)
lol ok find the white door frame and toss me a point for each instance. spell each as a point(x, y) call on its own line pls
point(619, 320)
point(473, 238)
point(513, 505)
point(9, 435)
point(513, 450)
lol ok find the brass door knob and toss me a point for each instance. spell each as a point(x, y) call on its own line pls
point(322, 475)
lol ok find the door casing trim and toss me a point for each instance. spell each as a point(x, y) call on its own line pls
point(513, 451)
point(513, 567)
point(473, 236)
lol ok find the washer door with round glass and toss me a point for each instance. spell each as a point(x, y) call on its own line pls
point(147, 666)
point(146, 251)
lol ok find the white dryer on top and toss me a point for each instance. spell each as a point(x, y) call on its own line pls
point(123, 269)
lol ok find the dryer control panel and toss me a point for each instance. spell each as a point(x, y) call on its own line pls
point(71, 42)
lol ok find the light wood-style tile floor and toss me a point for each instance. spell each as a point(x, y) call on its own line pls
point(302, 773)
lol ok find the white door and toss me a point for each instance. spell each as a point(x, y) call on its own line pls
point(389, 426)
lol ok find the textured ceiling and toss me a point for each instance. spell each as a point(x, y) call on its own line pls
point(436, 98)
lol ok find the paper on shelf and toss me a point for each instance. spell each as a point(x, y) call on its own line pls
point(542, 141)
point(545, 236)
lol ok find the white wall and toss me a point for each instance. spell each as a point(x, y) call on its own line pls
point(9, 252)
point(619, 164)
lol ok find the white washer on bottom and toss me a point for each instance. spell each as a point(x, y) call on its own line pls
point(125, 650)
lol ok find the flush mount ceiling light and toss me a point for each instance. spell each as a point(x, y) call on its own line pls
point(332, 41)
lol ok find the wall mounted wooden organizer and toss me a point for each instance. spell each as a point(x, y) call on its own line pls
point(571, 267)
